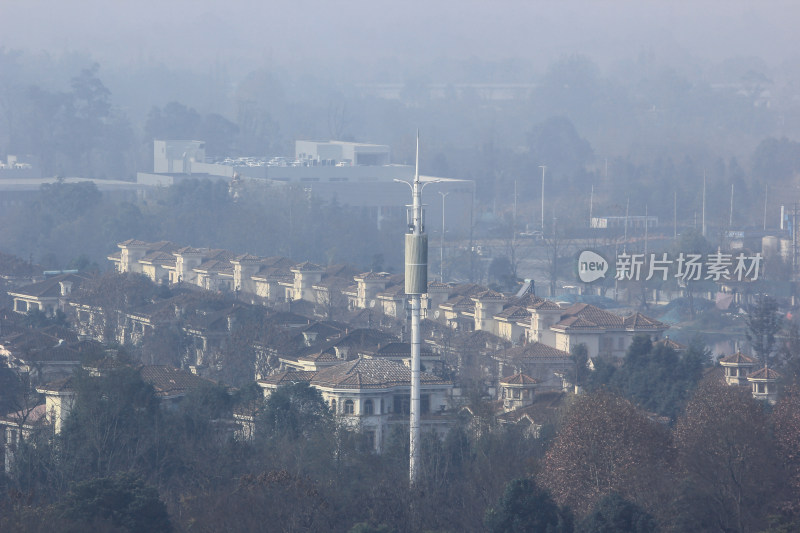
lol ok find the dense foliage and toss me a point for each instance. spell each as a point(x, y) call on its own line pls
point(121, 461)
point(656, 378)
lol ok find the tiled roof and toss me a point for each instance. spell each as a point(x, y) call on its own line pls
point(160, 246)
point(247, 258)
point(37, 345)
point(459, 303)
point(133, 242)
point(638, 321)
point(526, 300)
point(370, 374)
point(397, 291)
point(320, 357)
point(49, 288)
point(513, 313)
point(399, 349)
point(278, 262)
point(32, 417)
point(289, 376)
point(168, 381)
point(373, 276)
point(764, 374)
point(326, 329)
point(274, 273)
point(214, 265)
point(307, 266)
point(577, 322)
point(488, 295)
point(466, 289)
point(365, 338)
point(738, 358)
point(57, 354)
point(188, 250)
point(219, 255)
point(544, 305)
point(585, 316)
point(518, 379)
point(159, 258)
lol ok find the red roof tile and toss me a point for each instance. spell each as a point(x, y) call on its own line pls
point(764, 374)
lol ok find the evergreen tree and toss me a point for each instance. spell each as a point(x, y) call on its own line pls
point(524, 507)
point(615, 514)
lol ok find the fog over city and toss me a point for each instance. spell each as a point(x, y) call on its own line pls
point(220, 311)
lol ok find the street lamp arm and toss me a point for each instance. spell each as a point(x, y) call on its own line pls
point(404, 182)
point(428, 183)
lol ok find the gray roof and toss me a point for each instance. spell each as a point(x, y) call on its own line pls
point(371, 374)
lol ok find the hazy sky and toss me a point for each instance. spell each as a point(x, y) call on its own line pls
point(347, 33)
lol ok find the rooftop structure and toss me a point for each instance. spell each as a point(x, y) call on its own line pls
point(339, 153)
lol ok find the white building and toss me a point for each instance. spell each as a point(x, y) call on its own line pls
point(373, 395)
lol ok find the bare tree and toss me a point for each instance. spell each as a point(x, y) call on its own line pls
point(606, 445)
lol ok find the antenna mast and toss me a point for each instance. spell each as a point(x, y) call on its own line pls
point(416, 283)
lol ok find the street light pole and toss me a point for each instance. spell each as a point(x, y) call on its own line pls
point(441, 249)
point(543, 167)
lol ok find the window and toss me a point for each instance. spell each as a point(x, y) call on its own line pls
point(333, 406)
point(348, 407)
point(368, 407)
point(402, 404)
point(370, 439)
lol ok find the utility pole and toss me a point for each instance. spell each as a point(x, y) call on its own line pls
point(625, 238)
point(646, 224)
point(704, 202)
point(730, 217)
point(515, 207)
point(794, 242)
point(441, 249)
point(675, 214)
point(543, 167)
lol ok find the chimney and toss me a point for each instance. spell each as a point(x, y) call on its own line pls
point(341, 352)
point(66, 287)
